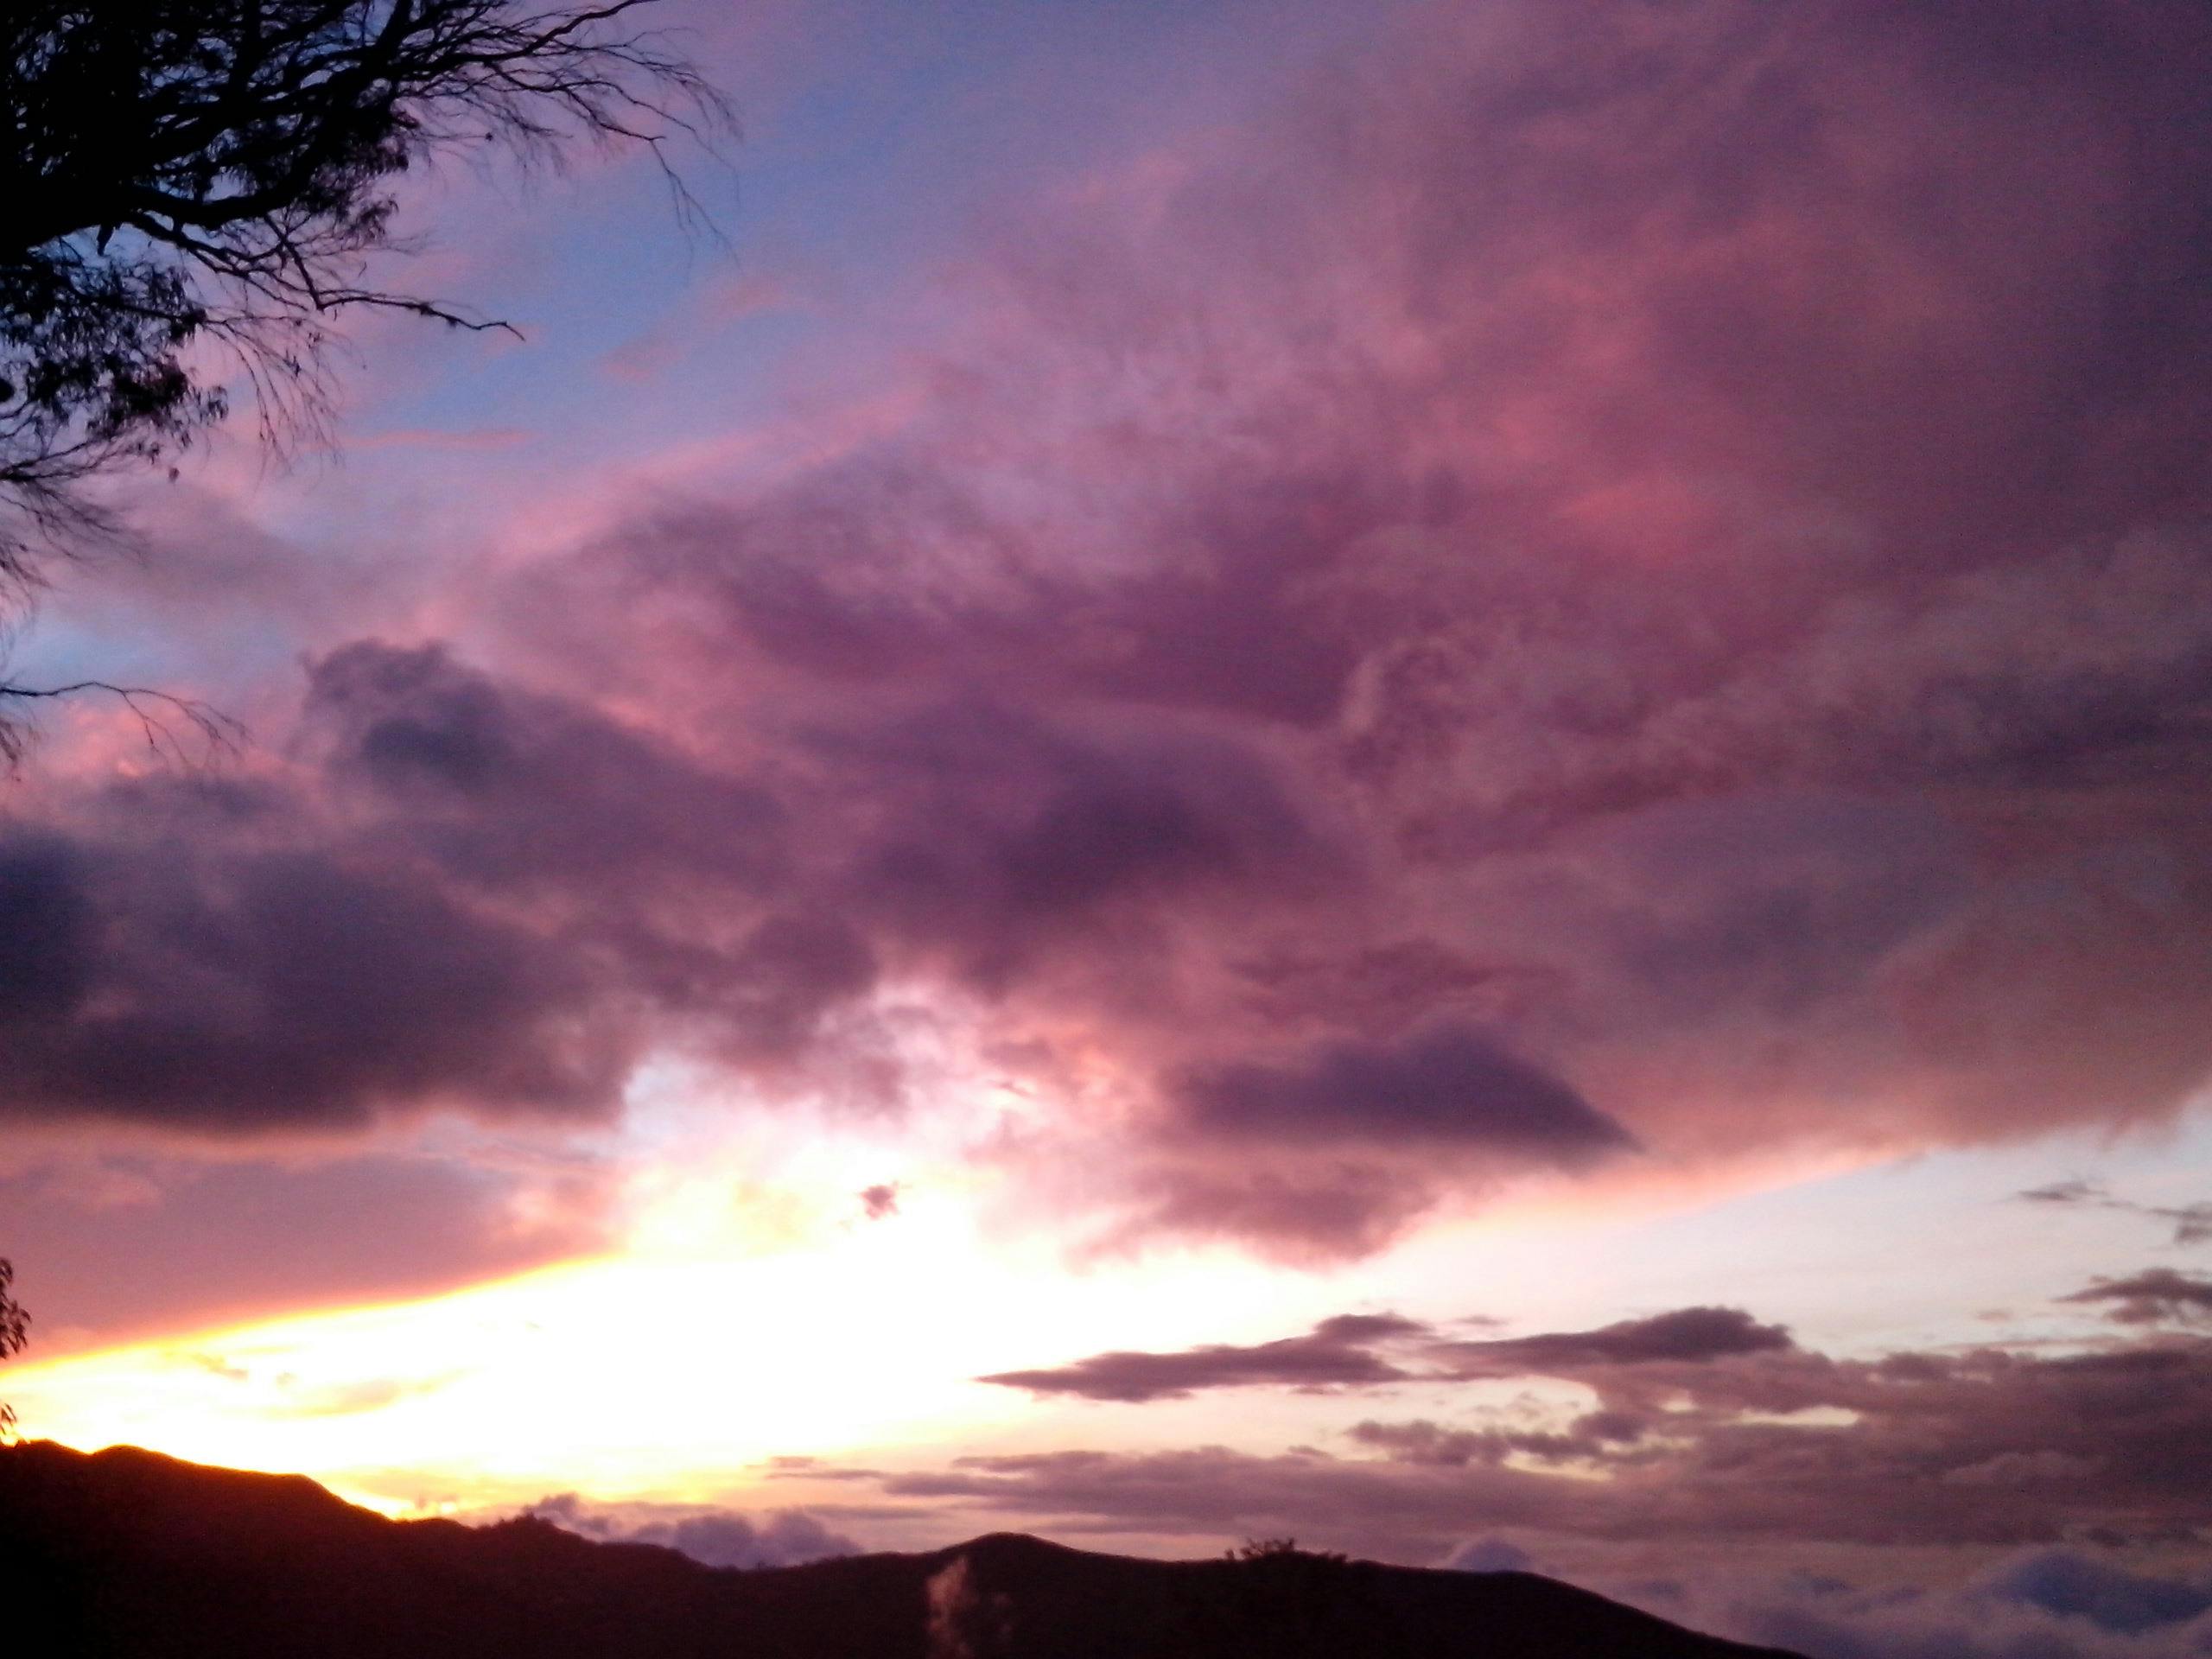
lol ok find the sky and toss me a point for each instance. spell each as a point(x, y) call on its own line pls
point(1428, 775)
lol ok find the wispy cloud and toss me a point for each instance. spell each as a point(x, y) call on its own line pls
point(2192, 1222)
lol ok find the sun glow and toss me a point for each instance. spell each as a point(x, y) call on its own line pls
point(727, 1333)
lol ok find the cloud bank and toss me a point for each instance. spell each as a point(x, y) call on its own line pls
point(1701, 1426)
point(1602, 587)
point(715, 1537)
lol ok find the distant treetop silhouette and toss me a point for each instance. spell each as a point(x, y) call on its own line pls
point(15, 1333)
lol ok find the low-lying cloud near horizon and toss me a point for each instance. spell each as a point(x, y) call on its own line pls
point(1704, 1422)
point(713, 1536)
point(1602, 588)
point(1957, 1503)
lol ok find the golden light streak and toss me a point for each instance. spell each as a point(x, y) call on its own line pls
point(674, 1371)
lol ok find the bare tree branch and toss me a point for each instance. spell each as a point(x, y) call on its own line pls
point(179, 174)
point(158, 712)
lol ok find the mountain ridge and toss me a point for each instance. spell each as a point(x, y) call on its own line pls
point(127, 1551)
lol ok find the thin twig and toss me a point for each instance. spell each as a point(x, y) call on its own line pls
point(219, 733)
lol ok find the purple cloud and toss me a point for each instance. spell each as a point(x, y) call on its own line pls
point(1447, 1087)
point(1764, 1449)
point(127, 1246)
point(1344, 1351)
point(1336, 1353)
point(1685, 1336)
point(1657, 600)
point(2149, 1297)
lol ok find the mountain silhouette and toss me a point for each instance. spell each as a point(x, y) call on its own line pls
point(127, 1552)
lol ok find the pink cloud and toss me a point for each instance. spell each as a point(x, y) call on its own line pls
point(1661, 547)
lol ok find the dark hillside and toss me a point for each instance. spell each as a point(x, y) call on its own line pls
point(126, 1551)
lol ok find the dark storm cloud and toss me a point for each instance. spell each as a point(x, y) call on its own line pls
point(1452, 1086)
point(467, 892)
point(249, 988)
point(1332, 1152)
point(1336, 1353)
point(517, 790)
point(1599, 576)
point(994, 840)
point(465, 895)
point(1725, 558)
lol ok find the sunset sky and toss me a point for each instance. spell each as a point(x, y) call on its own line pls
point(1433, 776)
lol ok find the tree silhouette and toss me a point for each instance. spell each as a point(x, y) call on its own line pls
point(14, 1332)
point(193, 188)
